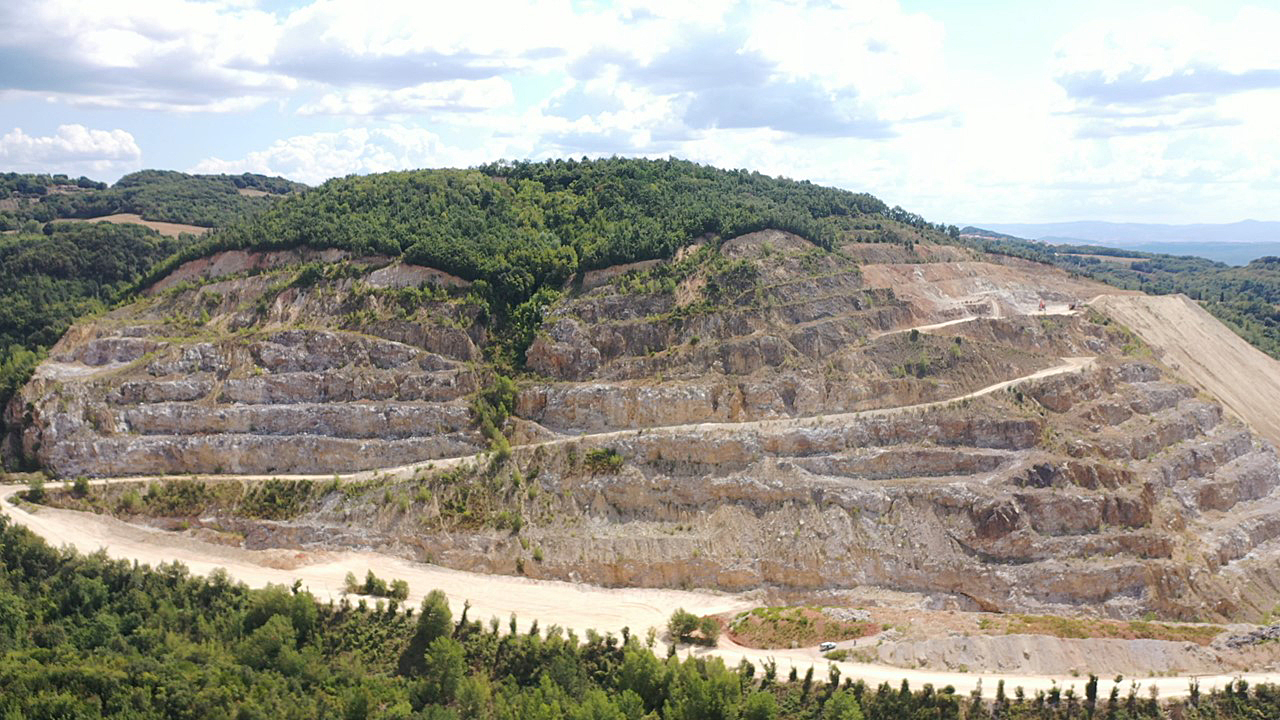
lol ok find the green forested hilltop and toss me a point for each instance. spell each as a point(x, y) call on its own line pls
point(519, 226)
point(161, 195)
point(90, 637)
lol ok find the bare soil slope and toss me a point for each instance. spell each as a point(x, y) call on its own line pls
point(164, 228)
point(1207, 354)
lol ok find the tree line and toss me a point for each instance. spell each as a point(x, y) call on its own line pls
point(90, 637)
point(160, 195)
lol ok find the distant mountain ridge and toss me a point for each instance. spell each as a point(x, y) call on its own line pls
point(1235, 243)
point(1091, 231)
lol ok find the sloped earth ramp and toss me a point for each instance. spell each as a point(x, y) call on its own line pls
point(1206, 353)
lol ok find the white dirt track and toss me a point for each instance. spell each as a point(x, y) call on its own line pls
point(569, 605)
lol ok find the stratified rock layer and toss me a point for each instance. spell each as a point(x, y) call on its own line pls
point(758, 415)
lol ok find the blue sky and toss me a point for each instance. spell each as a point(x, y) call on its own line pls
point(964, 112)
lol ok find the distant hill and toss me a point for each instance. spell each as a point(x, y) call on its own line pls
point(1232, 243)
point(205, 201)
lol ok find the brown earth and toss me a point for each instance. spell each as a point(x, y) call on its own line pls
point(164, 228)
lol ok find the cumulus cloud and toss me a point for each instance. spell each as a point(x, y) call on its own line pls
point(448, 96)
point(72, 149)
point(317, 157)
point(176, 55)
point(1166, 71)
point(855, 65)
point(829, 69)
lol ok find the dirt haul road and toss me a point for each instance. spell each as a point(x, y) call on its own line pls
point(1206, 353)
point(569, 605)
point(574, 606)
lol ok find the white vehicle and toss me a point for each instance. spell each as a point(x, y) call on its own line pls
point(827, 646)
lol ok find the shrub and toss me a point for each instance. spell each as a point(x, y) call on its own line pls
point(130, 502)
point(603, 460)
point(399, 590)
point(375, 586)
point(710, 629)
point(683, 624)
point(509, 520)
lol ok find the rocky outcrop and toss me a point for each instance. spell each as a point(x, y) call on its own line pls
point(274, 377)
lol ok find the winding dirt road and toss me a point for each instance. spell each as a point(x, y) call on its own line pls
point(576, 606)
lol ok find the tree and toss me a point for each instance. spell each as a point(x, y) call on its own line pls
point(682, 625)
point(841, 706)
point(760, 706)
point(434, 622)
point(444, 667)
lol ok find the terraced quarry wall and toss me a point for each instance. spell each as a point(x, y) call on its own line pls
point(762, 416)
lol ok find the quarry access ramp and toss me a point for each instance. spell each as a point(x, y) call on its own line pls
point(1206, 353)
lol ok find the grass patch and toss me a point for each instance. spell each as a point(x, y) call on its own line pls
point(1081, 628)
point(793, 627)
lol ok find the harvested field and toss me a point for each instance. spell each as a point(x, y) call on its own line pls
point(164, 228)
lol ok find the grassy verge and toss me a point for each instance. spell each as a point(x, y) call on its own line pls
point(792, 627)
point(1079, 628)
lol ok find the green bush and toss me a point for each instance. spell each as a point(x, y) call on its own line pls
point(603, 460)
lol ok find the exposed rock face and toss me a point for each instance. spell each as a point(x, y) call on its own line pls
point(247, 376)
point(734, 424)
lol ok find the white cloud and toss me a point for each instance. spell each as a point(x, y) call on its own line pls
point(1155, 112)
point(317, 157)
point(174, 55)
point(447, 95)
point(72, 149)
point(1161, 71)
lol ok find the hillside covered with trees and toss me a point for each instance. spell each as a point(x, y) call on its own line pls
point(48, 280)
point(519, 226)
point(162, 195)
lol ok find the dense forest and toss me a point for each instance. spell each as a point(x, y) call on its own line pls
point(162, 195)
point(1246, 299)
point(91, 637)
point(520, 226)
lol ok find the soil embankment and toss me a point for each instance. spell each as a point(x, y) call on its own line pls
point(1206, 353)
